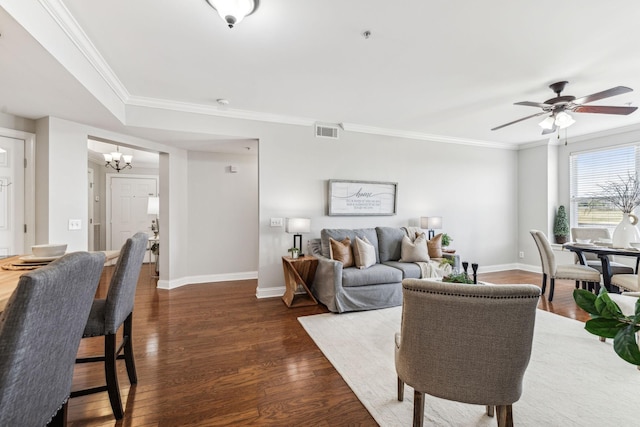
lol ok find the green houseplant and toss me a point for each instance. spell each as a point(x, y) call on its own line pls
point(607, 321)
point(446, 240)
point(561, 226)
point(295, 252)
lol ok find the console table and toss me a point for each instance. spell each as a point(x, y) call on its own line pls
point(299, 271)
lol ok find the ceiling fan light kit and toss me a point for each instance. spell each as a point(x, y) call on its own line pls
point(233, 11)
point(559, 106)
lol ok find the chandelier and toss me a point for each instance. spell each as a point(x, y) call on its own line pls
point(117, 160)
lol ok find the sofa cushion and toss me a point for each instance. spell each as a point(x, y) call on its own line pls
point(340, 233)
point(364, 253)
point(409, 270)
point(389, 243)
point(341, 251)
point(375, 275)
point(415, 251)
point(435, 246)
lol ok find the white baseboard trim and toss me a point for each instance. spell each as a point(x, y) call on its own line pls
point(274, 292)
point(209, 278)
point(506, 267)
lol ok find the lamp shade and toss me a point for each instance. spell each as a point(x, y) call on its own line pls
point(298, 225)
point(431, 222)
point(153, 206)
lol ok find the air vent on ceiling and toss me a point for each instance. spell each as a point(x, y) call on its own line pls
point(326, 131)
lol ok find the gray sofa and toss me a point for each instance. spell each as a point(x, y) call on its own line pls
point(352, 289)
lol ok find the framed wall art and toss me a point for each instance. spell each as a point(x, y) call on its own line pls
point(362, 198)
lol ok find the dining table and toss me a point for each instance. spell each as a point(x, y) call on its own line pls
point(9, 278)
point(603, 253)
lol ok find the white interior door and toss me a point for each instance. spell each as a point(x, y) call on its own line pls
point(129, 199)
point(12, 220)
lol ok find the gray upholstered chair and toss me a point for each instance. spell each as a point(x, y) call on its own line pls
point(598, 234)
point(467, 343)
point(553, 271)
point(40, 331)
point(106, 317)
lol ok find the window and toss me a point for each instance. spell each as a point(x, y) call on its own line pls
point(589, 171)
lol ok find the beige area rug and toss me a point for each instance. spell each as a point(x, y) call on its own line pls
point(572, 380)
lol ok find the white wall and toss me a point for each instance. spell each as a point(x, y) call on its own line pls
point(223, 216)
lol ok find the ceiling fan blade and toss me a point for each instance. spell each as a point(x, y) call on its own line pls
point(548, 131)
point(532, 104)
point(618, 90)
point(519, 120)
point(602, 109)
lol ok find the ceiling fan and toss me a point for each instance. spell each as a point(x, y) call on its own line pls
point(558, 107)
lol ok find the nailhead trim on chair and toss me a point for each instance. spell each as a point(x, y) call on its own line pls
point(469, 296)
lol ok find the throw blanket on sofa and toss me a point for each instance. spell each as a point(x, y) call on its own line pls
point(432, 269)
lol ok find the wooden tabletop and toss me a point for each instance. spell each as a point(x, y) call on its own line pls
point(9, 278)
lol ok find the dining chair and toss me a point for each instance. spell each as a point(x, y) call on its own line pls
point(552, 270)
point(466, 343)
point(629, 282)
point(598, 234)
point(40, 331)
point(108, 315)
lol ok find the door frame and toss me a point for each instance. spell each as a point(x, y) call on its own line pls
point(29, 182)
point(108, 182)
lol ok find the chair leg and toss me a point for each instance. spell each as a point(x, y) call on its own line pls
point(111, 374)
point(400, 390)
point(418, 408)
point(128, 349)
point(552, 283)
point(505, 415)
point(490, 410)
point(60, 418)
point(544, 282)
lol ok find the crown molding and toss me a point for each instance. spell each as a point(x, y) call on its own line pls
point(61, 15)
point(351, 127)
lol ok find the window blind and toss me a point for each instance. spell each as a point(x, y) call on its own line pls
point(589, 172)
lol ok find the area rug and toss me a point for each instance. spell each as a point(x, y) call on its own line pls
point(573, 379)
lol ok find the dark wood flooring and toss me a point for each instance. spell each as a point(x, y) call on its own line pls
point(215, 355)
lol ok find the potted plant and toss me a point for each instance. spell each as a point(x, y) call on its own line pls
point(295, 252)
point(561, 226)
point(445, 241)
point(607, 321)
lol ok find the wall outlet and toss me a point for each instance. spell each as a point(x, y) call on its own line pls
point(75, 224)
point(521, 254)
point(277, 222)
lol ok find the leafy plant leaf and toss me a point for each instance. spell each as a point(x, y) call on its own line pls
point(586, 301)
point(625, 345)
point(606, 307)
point(602, 327)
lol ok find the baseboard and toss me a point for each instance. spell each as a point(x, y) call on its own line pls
point(274, 292)
point(506, 267)
point(208, 278)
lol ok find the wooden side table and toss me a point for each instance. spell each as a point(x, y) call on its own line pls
point(299, 271)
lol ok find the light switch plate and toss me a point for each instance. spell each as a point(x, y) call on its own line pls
point(277, 222)
point(75, 224)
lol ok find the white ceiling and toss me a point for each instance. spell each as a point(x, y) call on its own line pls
point(448, 69)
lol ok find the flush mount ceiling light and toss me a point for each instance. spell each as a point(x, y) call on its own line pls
point(233, 11)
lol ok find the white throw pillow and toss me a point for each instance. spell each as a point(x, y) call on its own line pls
point(415, 251)
point(364, 253)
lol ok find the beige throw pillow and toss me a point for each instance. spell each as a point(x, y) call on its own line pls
point(415, 251)
point(341, 251)
point(435, 246)
point(364, 253)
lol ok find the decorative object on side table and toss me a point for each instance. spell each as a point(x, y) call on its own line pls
point(625, 195)
point(464, 276)
point(431, 223)
point(446, 240)
point(294, 252)
point(607, 321)
point(561, 226)
point(297, 226)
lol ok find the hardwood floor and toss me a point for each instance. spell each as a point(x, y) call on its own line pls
point(214, 354)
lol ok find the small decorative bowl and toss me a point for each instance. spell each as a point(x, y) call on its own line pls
point(635, 245)
point(583, 241)
point(48, 250)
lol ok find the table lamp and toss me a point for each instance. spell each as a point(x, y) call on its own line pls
point(431, 223)
point(297, 226)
